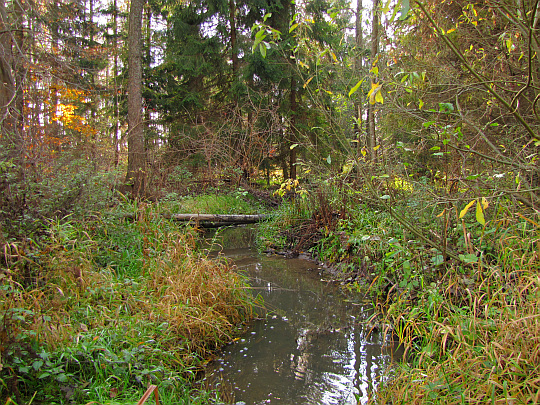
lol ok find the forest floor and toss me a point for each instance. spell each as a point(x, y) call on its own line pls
point(93, 310)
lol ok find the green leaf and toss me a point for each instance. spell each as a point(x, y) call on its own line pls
point(294, 145)
point(404, 9)
point(37, 364)
point(437, 260)
point(293, 27)
point(468, 258)
point(62, 377)
point(385, 197)
point(262, 48)
point(259, 37)
point(356, 87)
point(446, 106)
point(329, 160)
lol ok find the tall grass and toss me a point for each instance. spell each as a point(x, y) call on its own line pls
point(473, 335)
point(97, 310)
point(471, 328)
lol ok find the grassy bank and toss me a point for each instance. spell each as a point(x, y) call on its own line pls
point(94, 310)
point(469, 326)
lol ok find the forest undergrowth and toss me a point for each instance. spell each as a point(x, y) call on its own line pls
point(95, 309)
point(470, 327)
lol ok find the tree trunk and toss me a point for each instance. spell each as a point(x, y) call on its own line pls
point(136, 172)
point(372, 136)
point(293, 136)
point(358, 127)
point(53, 130)
point(7, 88)
point(20, 9)
point(94, 102)
point(292, 129)
point(150, 141)
point(115, 78)
point(234, 47)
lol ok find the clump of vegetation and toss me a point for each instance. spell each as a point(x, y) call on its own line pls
point(95, 310)
point(236, 201)
point(470, 342)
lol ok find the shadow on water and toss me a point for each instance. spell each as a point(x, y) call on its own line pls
point(310, 347)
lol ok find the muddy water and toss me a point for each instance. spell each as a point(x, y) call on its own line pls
point(310, 345)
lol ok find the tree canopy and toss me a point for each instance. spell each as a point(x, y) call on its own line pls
point(445, 91)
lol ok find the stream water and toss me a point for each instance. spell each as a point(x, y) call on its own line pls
point(309, 346)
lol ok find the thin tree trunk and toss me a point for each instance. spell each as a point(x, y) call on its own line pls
point(10, 98)
point(93, 105)
point(292, 129)
point(293, 136)
point(358, 125)
point(20, 69)
point(115, 78)
point(8, 121)
point(234, 46)
point(372, 136)
point(149, 141)
point(54, 126)
point(136, 172)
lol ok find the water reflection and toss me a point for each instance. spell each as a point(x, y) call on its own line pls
point(311, 347)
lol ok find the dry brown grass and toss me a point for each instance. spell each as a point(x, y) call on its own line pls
point(203, 300)
point(488, 352)
point(480, 342)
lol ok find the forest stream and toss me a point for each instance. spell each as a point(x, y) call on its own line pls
point(309, 345)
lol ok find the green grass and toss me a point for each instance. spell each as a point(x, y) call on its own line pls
point(236, 202)
point(97, 310)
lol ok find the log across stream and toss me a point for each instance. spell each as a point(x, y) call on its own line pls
point(211, 220)
point(310, 345)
